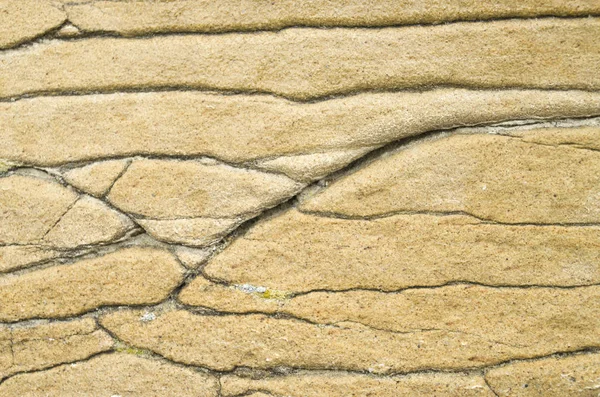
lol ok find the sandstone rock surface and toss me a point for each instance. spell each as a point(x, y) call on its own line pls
point(227, 342)
point(26, 19)
point(300, 252)
point(315, 63)
point(495, 178)
point(112, 375)
point(240, 128)
point(38, 346)
point(13, 257)
point(96, 178)
point(196, 232)
point(568, 376)
point(342, 385)
point(131, 276)
point(133, 18)
point(164, 189)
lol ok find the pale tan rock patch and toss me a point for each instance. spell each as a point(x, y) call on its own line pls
point(583, 137)
point(13, 257)
point(197, 232)
point(496, 178)
point(38, 346)
point(26, 19)
point(315, 63)
point(134, 18)
point(192, 257)
point(257, 341)
point(560, 376)
point(88, 221)
point(241, 128)
point(164, 189)
point(317, 384)
point(130, 276)
point(111, 375)
point(300, 252)
point(96, 178)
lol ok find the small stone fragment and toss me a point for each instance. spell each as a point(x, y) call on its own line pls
point(196, 232)
point(193, 257)
point(112, 375)
point(88, 221)
point(310, 167)
point(165, 189)
point(303, 64)
point(130, 276)
point(49, 131)
point(134, 18)
point(26, 19)
point(334, 384)
point(495, 178)
point(30, 206)
point(299, 252)
point(572, 376)
point(14, 257)
point(96, 178)
point(38, 346)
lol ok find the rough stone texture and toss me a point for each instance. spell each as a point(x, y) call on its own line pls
point(342, 385)
point(132, 18)
point(13, 257)
point(192, 257)
point(568, 376)
point(300, 252)
point(39, 346)
point(113, 375)
point(25, 19)
point(495, 178)
point(132, 276)
point(227, 342)
point(96, 178)
point(239, 128)
point(88, 221)
point(313, 63)
point(164, 189)
point(583, 138)
point(30, 207)
point(197, 232)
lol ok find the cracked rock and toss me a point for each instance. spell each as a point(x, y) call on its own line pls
point(300, 252)
point(130, 276)
point(165, 189)
point(315, 63)
point(257, 341)
point(316, 384)
point(196, 232)
point(557, 376)
point(26, 19)
point(240, 128)
point(96, 178)
point(496, 178)
point(37, 346)
point(13, 257)
point(113, 375)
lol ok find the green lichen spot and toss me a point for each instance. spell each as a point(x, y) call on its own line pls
point(275, 294)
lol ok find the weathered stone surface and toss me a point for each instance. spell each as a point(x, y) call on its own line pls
point(313, 63)
point(13, 257)
point(583, 137)
point(227, 342)
point(520, 318)
point(30, 206)
point(310, 167)
point(25, 19)
point(131, 276)
point(492, 177)
point(96, 178)
point(306, 384)
point(165, 189)
point(300, 252)
point(112, 375)
point(192, 257)
point(131, 18)
point(197, 232)
point(568, 376)
point(240, 128)
point(38, 346)
point(88, 221)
